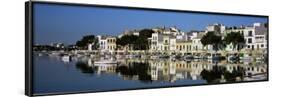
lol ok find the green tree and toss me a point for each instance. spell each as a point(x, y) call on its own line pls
point(211, 39)
point(235, 39)
point(141, 43)
point(126, 40)
point(136, 42)
point(146, 33)
point(89, 39)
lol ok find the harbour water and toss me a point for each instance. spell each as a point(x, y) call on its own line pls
point(56, 74)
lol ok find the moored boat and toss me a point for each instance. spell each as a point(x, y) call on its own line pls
point(66, 58)
point(105, 62)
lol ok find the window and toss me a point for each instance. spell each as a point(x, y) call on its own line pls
point(262, 45)
point(180, 47)
point(250, 40)
point(249, 46)
point(250, 33)
point(154, 38)
point(166, 41)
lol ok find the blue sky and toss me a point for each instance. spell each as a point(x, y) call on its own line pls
point(67, 24)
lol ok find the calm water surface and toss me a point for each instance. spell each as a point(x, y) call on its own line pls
point(54, 75)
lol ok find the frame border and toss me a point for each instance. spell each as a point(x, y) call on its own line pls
point(29, 44)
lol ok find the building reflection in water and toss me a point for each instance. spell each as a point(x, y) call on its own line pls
point(172, 70)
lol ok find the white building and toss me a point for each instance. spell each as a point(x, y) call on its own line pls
point(217, 28)
point(170, 40)
point(255, 36)
point(173, 42)
point(102, 43)
point(197, 46)
point(107, 44)
point(260, 37)
point(163, 43)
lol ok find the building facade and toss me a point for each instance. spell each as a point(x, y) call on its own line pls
point(107, 44)
point(255, 37)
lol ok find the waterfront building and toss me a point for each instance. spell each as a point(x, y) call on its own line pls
point(107, 44)
point(170, 40)
point(164, 43)
point(217, 28)
point(260, 36)
point(255, 36)
point(183, 47)
point(197, 46)
point(154, 42)
point(160, 43)
point(111, 44)
point(102, 43)
point(173, 43)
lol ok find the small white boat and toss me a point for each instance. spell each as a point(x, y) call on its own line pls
point(154, 57)
point(129, 56)
point(196, 57)
point(259, 58)
point(40, 54)
point(66, 58)
point(246, 58)
point(105, 62)
point(54, 53)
